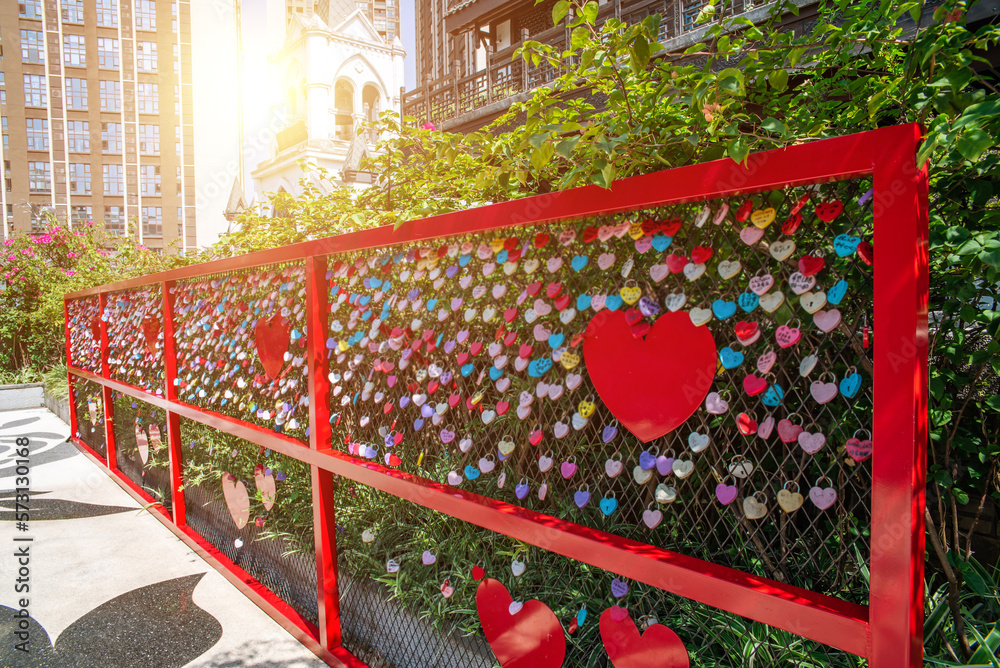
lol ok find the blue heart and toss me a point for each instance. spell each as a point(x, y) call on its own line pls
point(723, 309)
point(774, 395)
point(850, 385)
point(386, 286)
point(844, 245)
point(614, 302)
point(467, 369)
point(495, 373)
point(375, 283)
point(398, 257)
point(579, 262)
point(471, 472)
point(431, 303)
point(502, 256)
point(418, 424)
point(583, 302)
point(366, 316)
point(730, 358)
point(352, 298)
point(647, 460)
point(661, 242)
point(748, 301)
point(464, 259)
point(364, 300)
point(608, 506)
point(539, 366)
point(837, 292)
point(581, 617)
point(556, 340)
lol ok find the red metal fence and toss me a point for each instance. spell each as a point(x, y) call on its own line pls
point(668, 399)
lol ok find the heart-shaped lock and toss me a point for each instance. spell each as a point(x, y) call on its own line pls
point(789, 498)
point(754, 506)
point(586, 408)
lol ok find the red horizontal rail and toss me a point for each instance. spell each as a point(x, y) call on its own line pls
point(822, 618)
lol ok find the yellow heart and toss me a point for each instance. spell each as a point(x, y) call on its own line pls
point(719, 369)
point(422, 264)
point(586, 408)
point(635, 231)
point(569, 360)
point(342, 345)
point(762, 217)
point(630, 295)
point(789, 501)
point(506, 447)
point(497, 245)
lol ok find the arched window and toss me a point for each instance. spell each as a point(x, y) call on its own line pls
point(343, 101)
point(371, 97)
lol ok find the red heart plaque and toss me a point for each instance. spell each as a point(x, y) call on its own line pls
point(271, 337)
point(530, 638)
point(150, 331)
point(658, 647)
point(651, 385)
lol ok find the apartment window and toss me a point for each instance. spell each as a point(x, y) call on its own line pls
point(32, 47)
point(114, 220)
point(145, 15)
point(30, 9)
point(39, 177)
point(76, 94)
point(111, 137)
point(78, 134)
point(34, 90)
point(74, 51)
point(149, 98)
point(149, 180)
point(177, 58)
point(111, 96)
point(107, 13)
point(79, 178)
point(152, 221)
point(82, 213)
point(114, 180)
point(3, 96)
point(146, 55)
point(72, 11)
point(149, 139)
point(107, 53)
point(38, 134)
point(6, 137)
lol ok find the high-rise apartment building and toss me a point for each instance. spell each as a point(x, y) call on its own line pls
point(383, 14)
point(95, 100)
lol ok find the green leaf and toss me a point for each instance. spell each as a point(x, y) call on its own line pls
point(976, 113)
point(565, 147)
point(640, 53)
point(738, 149)
point(778, 80)
point(559, 11)
point(590, 12)
point(991, 258)
point(541, 156)
point(773, 126)
point(609, 173)
point(972, 144)
point(794, 55)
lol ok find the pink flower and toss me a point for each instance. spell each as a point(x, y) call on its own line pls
point(69, 272)
point(428, 126)
point(9, 242)
point(71, 254)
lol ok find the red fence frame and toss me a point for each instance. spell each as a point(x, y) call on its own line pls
point(888, 632)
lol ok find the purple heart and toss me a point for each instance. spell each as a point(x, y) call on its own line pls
point(581, 498)
point(502, 456)
point(446, 436)
point(618, 588)
point(648, 307)
point(567, 469)
point(370, 452)
point(725, 493)
point(418, 424)
point(390, 440)
point(413, 294)
point(665, 465)
point(451, 271)
point(406, 354)
point(404, 402)
point(521, 491)
point(456, 304)
point(647, 460)
point(609, 433)
point(426, 410)
point(446, 377)
point(449, 346)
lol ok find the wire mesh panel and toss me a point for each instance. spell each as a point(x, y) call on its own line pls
point(135, 337)
point(84, 324)
point(88, 400)
point(254, 506)
point(141, 446)
point(241, 346)
point(468, 363)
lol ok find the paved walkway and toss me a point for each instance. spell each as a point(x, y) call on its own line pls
point(111, 587)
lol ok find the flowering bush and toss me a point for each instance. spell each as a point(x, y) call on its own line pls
point(36, 270)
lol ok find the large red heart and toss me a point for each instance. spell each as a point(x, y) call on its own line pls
point(271, 337)
point(651, 385)
point(151, 332)
point(658, 646)
point(530, 638)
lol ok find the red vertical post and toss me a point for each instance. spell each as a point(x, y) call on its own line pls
point(73, 428)
point(111, 457)
point(324, 522)
point(174, 442)
point(899, 427)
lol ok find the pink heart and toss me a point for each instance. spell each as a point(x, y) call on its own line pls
point(788, 432)
point(554, 264)
point(823, 498)
point(567, 469)
point(541, 333)
point(644, 244)
point(391, 381)
point(489, 268)
point(766, 361)
point(787, 336)
point(566, 237)
point(823, 392)
point(811, 443)
point(597, 302)
point(605, 232)
point(761, 284)
point(715, 404)
point(765, 428)
point(751, 235)
point(605, 260)
point(658, 272)
point(499, 290)
point(827, 320)
point(541, 308)
point(726, 494)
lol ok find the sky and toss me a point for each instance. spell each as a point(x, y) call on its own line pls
point(215, 94)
